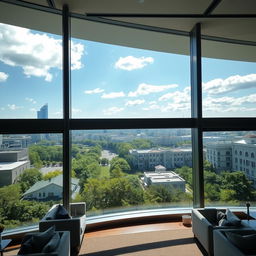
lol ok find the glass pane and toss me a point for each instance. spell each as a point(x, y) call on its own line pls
point(229, 168)
point(30, 73)
point(123, 82)
point(132, 169)
point(229, 80)
point(30, 177)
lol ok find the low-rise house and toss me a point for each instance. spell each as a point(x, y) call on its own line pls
point(51, 189)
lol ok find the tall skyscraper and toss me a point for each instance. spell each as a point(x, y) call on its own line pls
point(43, 112)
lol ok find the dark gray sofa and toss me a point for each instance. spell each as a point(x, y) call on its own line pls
point(63, 248)
point(204, 222)
point(75, 225)
point(222, 245)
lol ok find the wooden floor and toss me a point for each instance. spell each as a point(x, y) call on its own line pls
point(121, 230)
point(137, 229)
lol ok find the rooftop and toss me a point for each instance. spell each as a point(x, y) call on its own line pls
point(8, 166)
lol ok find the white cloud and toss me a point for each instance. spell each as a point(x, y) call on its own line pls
point(30, 100)
point(113, 95)
point(185, 106)
point(152, 107)
point(3, 77)
point(134, 102)
point(177, 96)
point(144, 89)
point(229, 104)
point(130, 63)
point(36, 53)
point(112, 111)
point(94, 91)
point(232, 83)
point(13, 107)
point(32, 110)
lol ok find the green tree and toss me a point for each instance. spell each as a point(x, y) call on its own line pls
point(237, 185)
point(120, 163)
point(52, 174)
point(28, 178)
point(142, 144)
point(104, 161)
point(35, 159)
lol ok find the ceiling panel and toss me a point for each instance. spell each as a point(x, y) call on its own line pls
point(136, 6)
point(236, 7)
point(38, 2)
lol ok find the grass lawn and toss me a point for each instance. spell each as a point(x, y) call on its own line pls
point(104, 171)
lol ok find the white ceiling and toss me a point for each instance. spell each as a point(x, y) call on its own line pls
point(231, 28)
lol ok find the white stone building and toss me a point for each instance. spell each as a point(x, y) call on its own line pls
point(220, 156)
point(147, 159)
point(234, 156)
point(10, 171)
point(12, 164)
point(168, 179)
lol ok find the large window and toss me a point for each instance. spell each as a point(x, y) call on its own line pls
point(116, 81)
point(122, 170)
point(120, 126)
point(229, 177)
point(30, 177)
point(229, 85)
point(30, 73)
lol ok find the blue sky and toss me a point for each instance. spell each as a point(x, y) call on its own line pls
point(111, 81)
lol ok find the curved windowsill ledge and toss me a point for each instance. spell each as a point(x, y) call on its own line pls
point(125, 218)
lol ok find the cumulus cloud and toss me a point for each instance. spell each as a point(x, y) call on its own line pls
point(113, 95)
point(130, 62)
point(35, 53)
point(94, 91)
point(177, 96)
point(13, 107)
point(232, 83)
point(30, 100)
point(112, 111)
point(3, 77)
point(144, 89)
point(152, 107)
point(134, 102)
point(185, 106)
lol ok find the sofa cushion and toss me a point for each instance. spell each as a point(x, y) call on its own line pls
point(229, 219)
point(209, 214)
point(51, 215)
point(62, 213)
point(26, 247)
point(52, 244)
point(42, 238)
point(37, 241)
point(246, 243)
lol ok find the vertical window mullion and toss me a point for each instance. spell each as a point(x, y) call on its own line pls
point(66, 107)
point(196, 114)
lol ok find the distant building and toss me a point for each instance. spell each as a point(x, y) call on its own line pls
point(220, 156)
point(43, 112)
point(51, 189)
point(12, 165)
point(147, 159)
point(234, 156)
point(14, 142)
point(170, 180)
